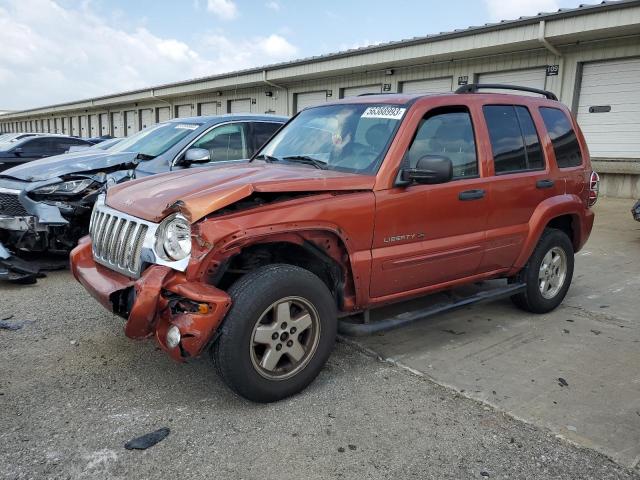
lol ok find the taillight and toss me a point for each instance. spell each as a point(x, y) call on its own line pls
point(594, 188)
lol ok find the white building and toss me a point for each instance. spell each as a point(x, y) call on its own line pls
point(589, 56)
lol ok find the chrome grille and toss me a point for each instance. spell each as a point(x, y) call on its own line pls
point(117, 240)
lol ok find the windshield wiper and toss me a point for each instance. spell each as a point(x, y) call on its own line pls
point(307, 161)
point(266, 158)
point(144, 156)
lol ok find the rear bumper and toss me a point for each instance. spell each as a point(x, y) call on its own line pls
point(154, 302)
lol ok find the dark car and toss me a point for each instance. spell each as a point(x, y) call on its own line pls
point(45, 205)
point(635, 211)
point(30, 148)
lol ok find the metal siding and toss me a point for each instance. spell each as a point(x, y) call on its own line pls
point(309, 99)
point(614, 134)
point(432, 85)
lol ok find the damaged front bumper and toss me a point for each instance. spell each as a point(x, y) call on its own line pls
point(159, 299)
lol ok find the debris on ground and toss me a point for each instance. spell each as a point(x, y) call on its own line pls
point(484, 474)
point(596, 332)
point(562, 382)
point(341, 449)
point(453, 332)
point(352, 447)
point(148, 440)
point(5, 324)
point(564, 330)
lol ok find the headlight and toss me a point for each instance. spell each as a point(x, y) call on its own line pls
point(174, 238)
point(71, 187)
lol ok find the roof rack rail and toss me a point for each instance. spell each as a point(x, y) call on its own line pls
point(474, 87)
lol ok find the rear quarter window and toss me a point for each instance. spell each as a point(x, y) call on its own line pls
point(563, 137)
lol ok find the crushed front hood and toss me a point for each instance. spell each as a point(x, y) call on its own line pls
point(201, 191)
point(76, 162)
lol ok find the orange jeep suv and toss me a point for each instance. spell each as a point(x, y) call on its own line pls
point(350, 206)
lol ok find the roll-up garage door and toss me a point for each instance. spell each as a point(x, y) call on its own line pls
point(609, 108)
point(130, 121)
point(209, 108)
point(146, 117)
point(65, 125)
point(309, 99)
point(183, 111)
point(432, 85)
point(84, 126)
point(532, 77)
point(164, 114)
point(117, 125)
point(75, 129)
point(56, 125)
point(240, 106)
point(355, 91)
point(45, 125)
point(104, 124)
point(93, 126)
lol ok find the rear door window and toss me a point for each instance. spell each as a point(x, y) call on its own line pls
point(446, 134)
point(563, 138)
point(263, 131)
point(514, 139)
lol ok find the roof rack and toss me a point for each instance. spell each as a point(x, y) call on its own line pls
point(474, 87)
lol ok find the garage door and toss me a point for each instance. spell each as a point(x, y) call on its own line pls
point(164, 114)
point(146, 117)
point(104, 124)
point(609, 108)
point(93, 126)
point(183, 111)
point(355, 91)
point(209, 108)
point(130, 122)
point(75, 128)
point(84, 126)
point(533, 77)
point(240, 106)
point(309, 99)
point(117, 125)
point(432, 85)
point(56, 125)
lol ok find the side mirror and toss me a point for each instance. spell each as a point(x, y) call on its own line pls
point(196, 155)
point(18, 151)
point(430, 169)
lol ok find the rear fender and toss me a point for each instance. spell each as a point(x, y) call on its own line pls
point(545, 212)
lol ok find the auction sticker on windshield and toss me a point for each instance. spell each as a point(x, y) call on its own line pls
point(386, 111)
point(186, 126)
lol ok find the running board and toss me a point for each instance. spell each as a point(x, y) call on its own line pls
point(362, 329)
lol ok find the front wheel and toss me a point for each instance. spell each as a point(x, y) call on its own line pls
point(277, 335)
point(548, 273)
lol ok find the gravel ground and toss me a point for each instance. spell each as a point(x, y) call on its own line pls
point(74, 389)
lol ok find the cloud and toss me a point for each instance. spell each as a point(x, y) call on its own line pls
point(273, 5)
point(225, 9)
point(52, 54)
point(501, 10)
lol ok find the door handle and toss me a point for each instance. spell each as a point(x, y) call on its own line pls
point(546, 183)
point(471, 195)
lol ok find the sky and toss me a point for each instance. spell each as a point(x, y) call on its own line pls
point(53, 51)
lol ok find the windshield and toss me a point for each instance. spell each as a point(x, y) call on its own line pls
point(351, 138)
point(155, 140)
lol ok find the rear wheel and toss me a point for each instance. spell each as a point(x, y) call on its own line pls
point(548, 273)
point(277, 335)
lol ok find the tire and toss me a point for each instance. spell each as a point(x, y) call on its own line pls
point(557, 244)
point(246, 350)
